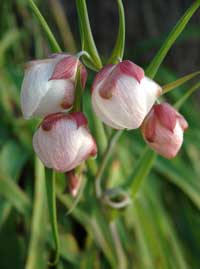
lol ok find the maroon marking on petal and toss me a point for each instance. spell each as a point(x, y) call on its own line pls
point(79, 118)
point(107, 89)
point(51, 119)
point(65, 104)
point(166, 114)
point(149, 128)
point(129, 68)
point(102, 75)
point(65, 68)
point(182, 121)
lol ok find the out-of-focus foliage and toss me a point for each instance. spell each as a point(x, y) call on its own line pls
point(159, 230)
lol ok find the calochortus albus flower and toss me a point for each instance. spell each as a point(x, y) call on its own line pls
point(48, 86)
point(63, 141)
point(122, 95)
point(163, 130)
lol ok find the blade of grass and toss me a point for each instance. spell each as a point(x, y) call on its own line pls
point(51, 198)
point(36, 251)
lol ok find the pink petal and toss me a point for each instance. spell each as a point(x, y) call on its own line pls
point(102, 75)
point(182, 121)
point(65, 68)
point(79, 118)
point(129, 68)
point(149, 128)
point(166, 115)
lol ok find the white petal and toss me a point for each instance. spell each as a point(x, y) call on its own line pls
point(63, 147)
point(34, 86)
point(152, 91)
point(125, 109)
point(58, 90)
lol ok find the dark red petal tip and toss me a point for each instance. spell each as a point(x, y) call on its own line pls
point(79, 118)
point(129, 68)
point(51, 119)
point(167, 115)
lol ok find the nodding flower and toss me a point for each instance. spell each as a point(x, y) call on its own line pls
point(163, 130)
point(63, 141)
point(122, 95)
point(49, 85)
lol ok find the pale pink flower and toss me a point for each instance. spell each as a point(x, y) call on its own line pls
point(48, 86)
point(163, 130)
point(63, 141)
point(122, 95)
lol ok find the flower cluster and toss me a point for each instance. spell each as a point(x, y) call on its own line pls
point(122, 97)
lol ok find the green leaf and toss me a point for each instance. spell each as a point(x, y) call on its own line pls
point(88, 44)
point(174, 34)
point(141, 171)
point(184, 98)
point(51, 198)
point(175, 84)
point(36, 252)
point(52, 41)
point(118, 51)
point(18, 199)
point(12, 159)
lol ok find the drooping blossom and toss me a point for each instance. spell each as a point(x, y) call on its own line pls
point(163, 130)
point(122, 95)
point(48, 86)
point(63, 141)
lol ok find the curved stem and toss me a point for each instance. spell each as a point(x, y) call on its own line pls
point(114, 138)
point(51, 197)
point(87, 40)
point(54, 45)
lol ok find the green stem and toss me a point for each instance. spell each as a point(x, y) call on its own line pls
point(38, 227)
point(113, 140)
point(51, 197)
point(172, 85)
point(182, 100)
point(87, 40)
point(118, 50)
point(53, 43)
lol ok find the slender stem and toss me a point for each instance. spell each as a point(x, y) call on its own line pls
point(182, 100)
point(54, 45)
point(114, 138)
point(118, 51)
point(173, 35)
point(51, 197)
point(172, 85)
point(38, 225)
point(87, 40)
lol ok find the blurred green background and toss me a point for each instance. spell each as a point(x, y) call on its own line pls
point(160, 229)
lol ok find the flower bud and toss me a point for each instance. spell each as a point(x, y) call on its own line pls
point(163, 130)
point(63, 141)
point(48, 86)
point(122, 95)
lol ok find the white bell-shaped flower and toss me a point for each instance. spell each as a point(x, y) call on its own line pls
point(63, 141)
point(163, 130)
point(122, 95)
point(48, 86)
